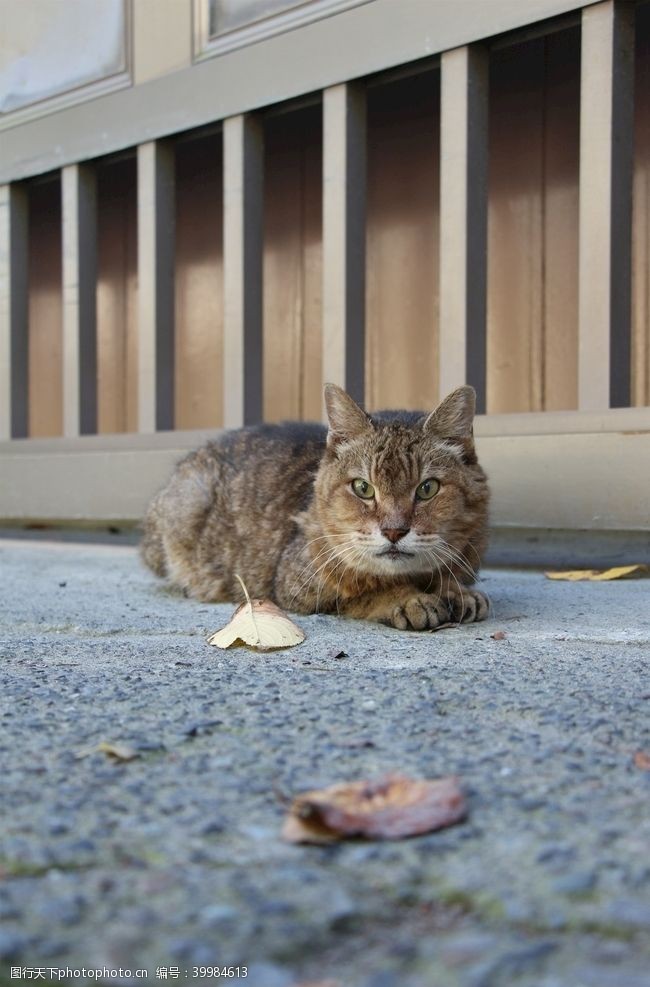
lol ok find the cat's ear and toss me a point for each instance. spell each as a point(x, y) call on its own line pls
point(346, 419)
point(453, 420)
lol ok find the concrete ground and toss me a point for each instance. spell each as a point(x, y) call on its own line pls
point(173, 861)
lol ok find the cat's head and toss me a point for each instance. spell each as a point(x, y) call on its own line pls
point(401, 493)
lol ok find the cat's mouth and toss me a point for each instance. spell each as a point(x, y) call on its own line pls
point(395, 553)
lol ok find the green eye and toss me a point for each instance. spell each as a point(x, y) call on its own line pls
point(363, 489)
point(427, 489)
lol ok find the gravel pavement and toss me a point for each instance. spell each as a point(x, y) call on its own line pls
point(173, 861)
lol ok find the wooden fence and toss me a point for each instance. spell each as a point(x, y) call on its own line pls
point(552, 327)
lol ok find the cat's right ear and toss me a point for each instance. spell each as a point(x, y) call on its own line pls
point(453, 417)
point(346, 419)
point(453, 421)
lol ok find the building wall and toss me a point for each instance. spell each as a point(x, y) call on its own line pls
point(139, 150)
point(532, 250)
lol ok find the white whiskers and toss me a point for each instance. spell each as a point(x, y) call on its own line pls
point(439, 552)
point(340, 554)
point(362, 553)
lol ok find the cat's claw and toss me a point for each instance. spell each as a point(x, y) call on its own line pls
point(423, 611)
point(468, 606)
point(420, 613)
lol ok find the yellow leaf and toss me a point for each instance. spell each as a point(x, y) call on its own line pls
point(600, 575)
point(120, 752)
point(260, 624)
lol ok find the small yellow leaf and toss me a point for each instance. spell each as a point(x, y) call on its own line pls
point(120, 752)
point(260, 624)
point(600, 575)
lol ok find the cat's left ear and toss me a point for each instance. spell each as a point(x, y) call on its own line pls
point(453, 420)
point(346, 419)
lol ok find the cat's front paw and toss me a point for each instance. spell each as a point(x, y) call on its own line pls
point(420, 612)
point(468, 606)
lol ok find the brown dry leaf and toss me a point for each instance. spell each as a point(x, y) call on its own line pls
point(642, 760)
point(387, 808)
point(119, 752)
point(260, 624)
point(599, 575)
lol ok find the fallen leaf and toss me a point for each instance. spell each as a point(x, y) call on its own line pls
point(387, 808)
point(601, 575)
point(499, 636)
point(642, 760)
point(119, 752)
point(260, 624)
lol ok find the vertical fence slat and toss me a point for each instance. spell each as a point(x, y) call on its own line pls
point(463, 220)
point(13, 312)
point(79, 220)
point(606, 169)
point(155, 286)
point(243, 178)
point(344, 237)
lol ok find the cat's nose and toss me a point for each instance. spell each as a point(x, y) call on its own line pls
point(394, 534)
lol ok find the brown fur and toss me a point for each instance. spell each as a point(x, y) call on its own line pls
point(274, 503)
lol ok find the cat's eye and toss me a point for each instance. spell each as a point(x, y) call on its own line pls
point(427, 489)
point(363, 489)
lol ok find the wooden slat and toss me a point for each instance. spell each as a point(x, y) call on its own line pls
point(463, 219)
point(198, 397)
point(243, 176)
point(402, 265)
point(45, 309)
point(606, 156)
point(344, 236)
point(560, 175)
point(292, 265)
point(641, 216)
point(515, 229)
point(284, 332)
point(155, 286)
point(79, 227)
point(117, 296)
point(13, 312)
point(312, 278)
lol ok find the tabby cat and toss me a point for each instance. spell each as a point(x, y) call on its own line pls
point(380, 516)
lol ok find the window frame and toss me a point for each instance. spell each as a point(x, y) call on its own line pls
point(304, 13)
point(82, 92)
